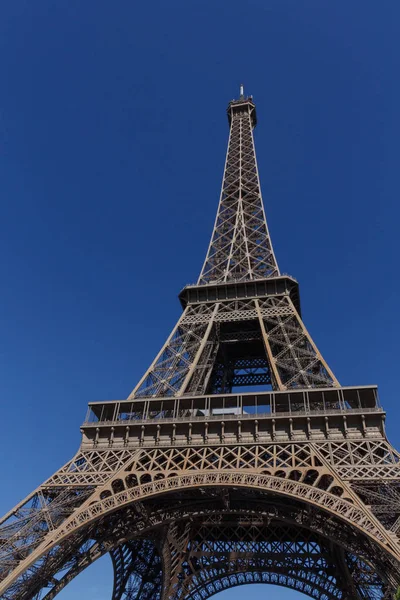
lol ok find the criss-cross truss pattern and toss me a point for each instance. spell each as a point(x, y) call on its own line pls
point(216, 347)
point(225, 553)
point(240, 247)
point(238, 458)
point(137, 571)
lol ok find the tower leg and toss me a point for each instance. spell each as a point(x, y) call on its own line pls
point(137, 571)
point(174, 551)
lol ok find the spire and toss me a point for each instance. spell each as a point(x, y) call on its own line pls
point(240, 247)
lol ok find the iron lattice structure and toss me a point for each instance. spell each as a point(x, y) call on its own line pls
point(195, 484)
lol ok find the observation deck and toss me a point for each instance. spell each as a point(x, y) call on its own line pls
point(238, 290)
point(298, 415)
point(241, 105)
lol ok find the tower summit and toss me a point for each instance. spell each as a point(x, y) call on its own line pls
point(237, 458)
point(240, 247)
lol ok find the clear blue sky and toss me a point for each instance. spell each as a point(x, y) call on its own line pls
point(112, 139)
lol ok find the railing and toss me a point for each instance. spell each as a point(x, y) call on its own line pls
point(216, 282)
point(237, 417)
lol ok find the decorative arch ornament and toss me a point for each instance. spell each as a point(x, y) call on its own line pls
point(75, 531)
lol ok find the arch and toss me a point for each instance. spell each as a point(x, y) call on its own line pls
point(104, 494)
point(311, 477)
point(225, 573)
point(90, 512)
point(250, 508)
point(231, 553)
point(208, 587)
point(145, 478)
point(117, 486)
point(295, 475)
point(300, 584)
point(131, 480)
point(333, 504)
point(325, 482)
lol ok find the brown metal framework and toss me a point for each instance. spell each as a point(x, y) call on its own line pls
point(195, 484)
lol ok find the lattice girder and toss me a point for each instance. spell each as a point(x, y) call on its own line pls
point(242, 513)
point(230, 549)
point(191, 357)
point(137, 571)
point(240, 246)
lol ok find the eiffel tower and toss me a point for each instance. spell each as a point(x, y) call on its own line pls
point(238, 457)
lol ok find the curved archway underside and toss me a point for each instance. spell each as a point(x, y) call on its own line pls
point(192, 544)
